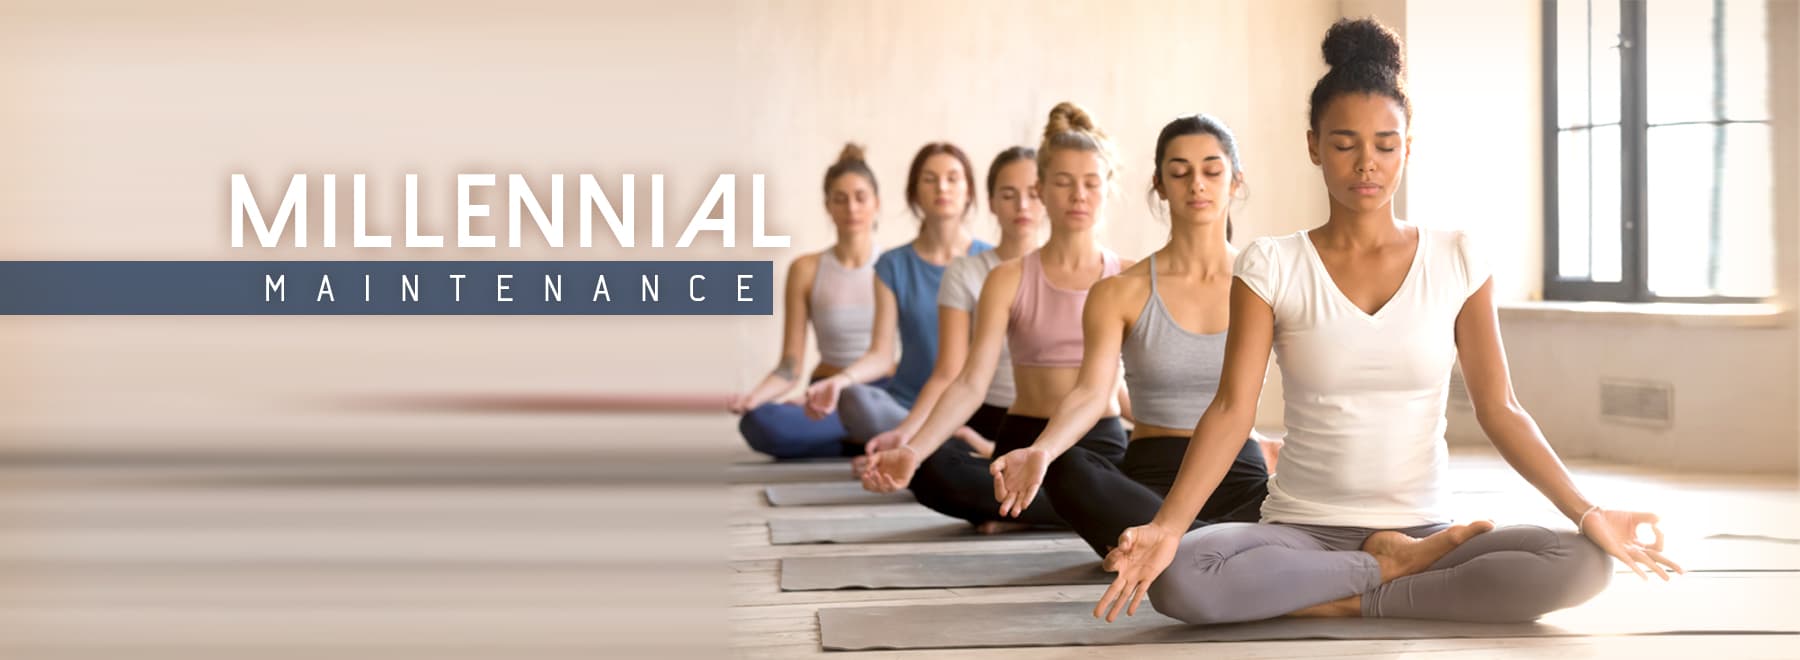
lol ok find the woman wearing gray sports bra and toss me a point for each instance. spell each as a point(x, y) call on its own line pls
point(833, 291)
point(1170, 371)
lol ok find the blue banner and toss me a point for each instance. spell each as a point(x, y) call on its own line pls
point(386, 287)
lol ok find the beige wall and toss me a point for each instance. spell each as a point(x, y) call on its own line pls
point(123, 124)
point(986, 80)
point(1785, 45)
point(128, 122)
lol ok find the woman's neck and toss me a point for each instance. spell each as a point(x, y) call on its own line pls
point(942, 239)
point(1349, 228)
point(1070, 249)
point(1197, 247)
point(1016, 244)
point(853, 249)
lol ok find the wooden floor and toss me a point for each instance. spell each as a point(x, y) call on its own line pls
point(769, 623)
point(387, 537)
point(453, 537)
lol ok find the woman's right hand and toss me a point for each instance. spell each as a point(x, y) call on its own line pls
point(886, 440)
point(822, 397)
point(891, 469)
point(1018, 476)
point(1142, 555)
point(739, 404)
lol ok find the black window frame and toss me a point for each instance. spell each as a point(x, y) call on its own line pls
point(1634, 281)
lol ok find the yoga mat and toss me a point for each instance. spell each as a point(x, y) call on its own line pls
point(1743, 605)
point(920, 571)
point(1732, 552)
point(885, 529)
point(831, 493)
point(790, 472)
point(1079, 566)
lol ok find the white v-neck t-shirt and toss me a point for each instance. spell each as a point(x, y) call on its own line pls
point(1364, 393)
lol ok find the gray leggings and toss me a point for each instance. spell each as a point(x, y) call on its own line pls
point(868, 411)
point(1234, 572)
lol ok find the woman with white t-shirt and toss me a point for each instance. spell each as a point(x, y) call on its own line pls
point(1366, 316)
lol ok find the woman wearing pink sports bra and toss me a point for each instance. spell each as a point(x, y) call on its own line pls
point(1034, 306)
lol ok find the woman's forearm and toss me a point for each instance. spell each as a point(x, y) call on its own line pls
point(959, 401)
point(771, 387)
point(1517, 437)
point(1215, 444)
point(1078, 412)
point(921, 410)
point(868, 368)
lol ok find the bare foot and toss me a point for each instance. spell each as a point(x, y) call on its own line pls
point(1400, 555)
point(1000, 527)
point(1344, 607)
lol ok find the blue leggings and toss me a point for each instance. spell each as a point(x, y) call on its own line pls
point(782, 430)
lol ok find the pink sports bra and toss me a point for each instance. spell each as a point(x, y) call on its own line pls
point(1045, 324)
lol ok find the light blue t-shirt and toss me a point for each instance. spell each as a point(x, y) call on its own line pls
point(915, 282)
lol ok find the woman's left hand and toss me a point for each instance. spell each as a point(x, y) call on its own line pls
point(1616, 533)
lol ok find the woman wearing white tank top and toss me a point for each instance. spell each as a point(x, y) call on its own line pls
point(833, 291)
point(1366, 316)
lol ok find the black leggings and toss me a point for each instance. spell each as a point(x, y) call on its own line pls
point(987, 421)
point(955, 482)
point(1101, 497)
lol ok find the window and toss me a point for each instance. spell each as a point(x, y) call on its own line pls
point(1657, 149)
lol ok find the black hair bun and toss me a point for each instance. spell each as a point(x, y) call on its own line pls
point(1363, 40)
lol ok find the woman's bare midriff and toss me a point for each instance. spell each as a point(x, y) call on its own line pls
point(1041, 389)
point(1139, 431)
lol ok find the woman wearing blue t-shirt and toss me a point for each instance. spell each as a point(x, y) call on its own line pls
point(939, 191)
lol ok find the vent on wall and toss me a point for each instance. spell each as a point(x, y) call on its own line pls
point(1637, 402)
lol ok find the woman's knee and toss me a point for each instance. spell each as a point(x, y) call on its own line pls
point(945, 484)
point(1571, 561)
point(1194, 588)
point(1073, 467)
point(1185, 597)
point(757, 431)
point(1586, 568)
point(853, 402)
point(1569, 571)
point(859, 408)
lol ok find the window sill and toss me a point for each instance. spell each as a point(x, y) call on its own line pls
point(1678, 314)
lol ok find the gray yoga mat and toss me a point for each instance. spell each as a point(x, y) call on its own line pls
point(790, 472)
point(1741, 605)
point(830, 493)
point(1080, 566)
point(1732, 552)
point(885, 529)
point(921, 571)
